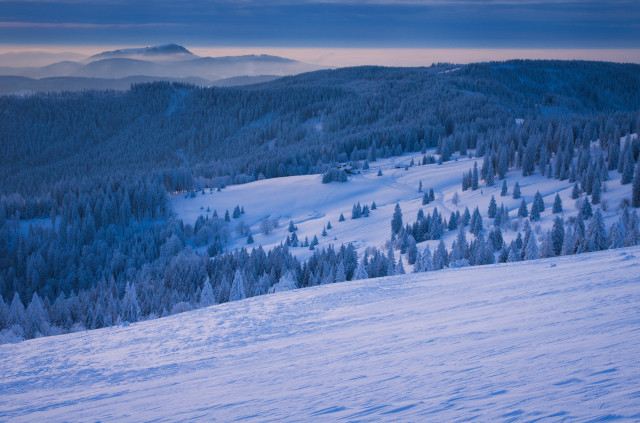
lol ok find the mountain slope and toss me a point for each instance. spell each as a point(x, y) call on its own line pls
point(554, 339)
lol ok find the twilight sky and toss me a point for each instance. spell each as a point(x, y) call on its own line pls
point(405, 25)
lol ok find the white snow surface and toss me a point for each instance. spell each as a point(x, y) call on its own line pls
point(551, 340)
point(311, 204)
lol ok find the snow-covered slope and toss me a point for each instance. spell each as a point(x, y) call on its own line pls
point(311, 204)
point(554, 339)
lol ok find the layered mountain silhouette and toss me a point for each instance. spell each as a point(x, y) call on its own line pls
point(117, 69)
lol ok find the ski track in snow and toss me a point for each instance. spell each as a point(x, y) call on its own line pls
point(551, 340)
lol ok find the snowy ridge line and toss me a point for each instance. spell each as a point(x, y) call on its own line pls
point(553, 340)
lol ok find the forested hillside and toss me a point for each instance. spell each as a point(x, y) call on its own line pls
point(88, 237)
point(299, 124)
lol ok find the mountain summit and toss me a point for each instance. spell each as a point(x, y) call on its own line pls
point(171, 50)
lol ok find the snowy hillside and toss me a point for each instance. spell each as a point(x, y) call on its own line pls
point(311, 204)
point(554, 339)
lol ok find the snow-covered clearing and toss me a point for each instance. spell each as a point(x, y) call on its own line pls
point(553, 339)
point(311, 204)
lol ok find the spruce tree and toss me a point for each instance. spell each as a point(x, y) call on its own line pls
point(596, 190)
point(632, 235)
point(341, 219)
point(531, 251)
point(412, 250)
point(206, 295)
point(503, 163)
point(493, 207)
point(361, 272)
point(37, 318)
point(466, 217)
point(237, 287)
point(627, 170)
point(250, 239)
point(557, 235)
point(476, 222)
point(635, 195)
point(495, 239)
point(396, 220)
point(557, 204)
point(546, 248)
point(426, 260)
point(130, 307)
point(490, 174)
point(355, 212)
point(539, 201)
point(440, 257)
point(596, 235)
point(514, 254)
point(340, 272)
point(453, 222)
point(503, 191)
point(616, 235)
point(460, 248)
point(586, 211)
point(503, 257)
point(575, 193)
point(516, 191)
point(568, 243)
point(523, 211)
point(535, 211)
point(17, 313)
point(474, 177)
point(391, 262)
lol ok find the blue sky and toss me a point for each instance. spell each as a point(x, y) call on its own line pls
point(370, 24)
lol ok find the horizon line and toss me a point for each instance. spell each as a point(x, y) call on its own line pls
point(360, 56)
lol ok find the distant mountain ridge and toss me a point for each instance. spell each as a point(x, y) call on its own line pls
point(169, 62)
point(154, 51)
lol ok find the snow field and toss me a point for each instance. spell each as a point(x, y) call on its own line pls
point(549, 340)
point(311, 204)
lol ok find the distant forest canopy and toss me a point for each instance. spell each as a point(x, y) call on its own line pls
point(98, 165)
point(190, 137)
